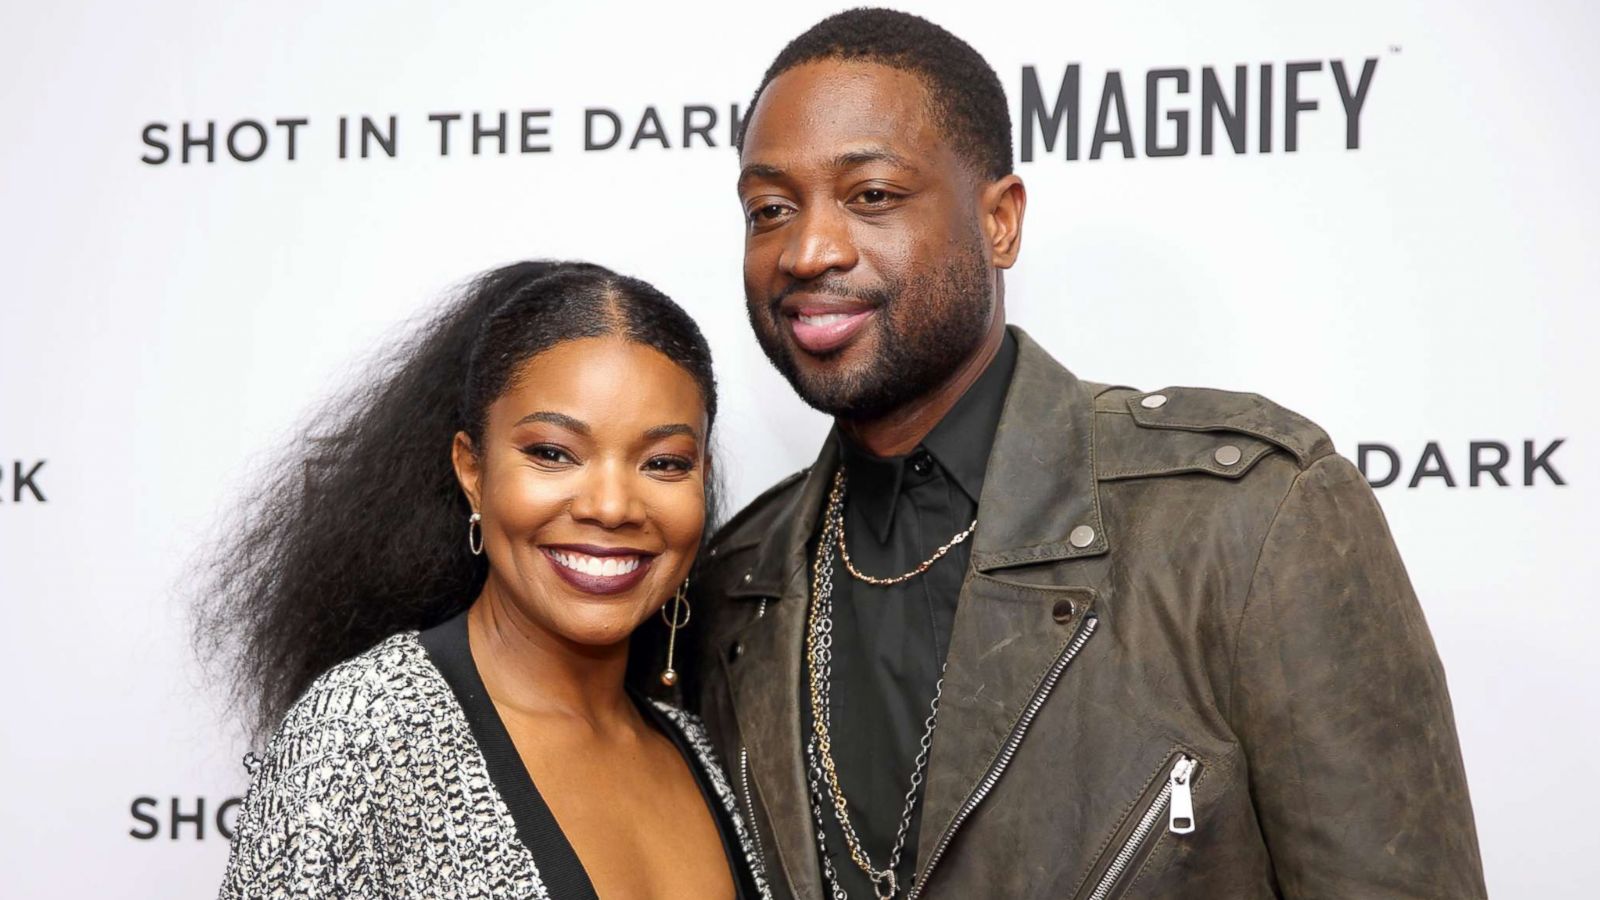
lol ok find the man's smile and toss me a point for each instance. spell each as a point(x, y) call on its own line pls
point(823, 323)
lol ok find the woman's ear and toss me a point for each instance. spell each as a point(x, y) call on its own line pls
point(468, 468)
point(708, 487)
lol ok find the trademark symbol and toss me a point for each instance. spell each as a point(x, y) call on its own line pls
point(1394, 48)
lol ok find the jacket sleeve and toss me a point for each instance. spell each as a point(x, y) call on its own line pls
point(301, 832)
point(1341, 705)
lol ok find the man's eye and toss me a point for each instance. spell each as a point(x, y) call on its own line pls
point(876, 196)
point(766, 213)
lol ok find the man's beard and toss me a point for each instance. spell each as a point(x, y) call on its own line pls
point(926, 329)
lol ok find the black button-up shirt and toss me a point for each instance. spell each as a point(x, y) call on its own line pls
point(889, 643)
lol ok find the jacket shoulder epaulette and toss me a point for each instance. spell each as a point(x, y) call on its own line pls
point(1186, 429)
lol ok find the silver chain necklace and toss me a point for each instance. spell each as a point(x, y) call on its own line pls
point(823, 778)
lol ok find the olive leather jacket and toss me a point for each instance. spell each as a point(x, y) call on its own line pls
point(1186, 662)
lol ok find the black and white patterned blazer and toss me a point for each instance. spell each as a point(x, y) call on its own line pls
point(374, 786)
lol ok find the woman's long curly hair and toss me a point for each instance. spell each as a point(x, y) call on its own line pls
point(359, 531)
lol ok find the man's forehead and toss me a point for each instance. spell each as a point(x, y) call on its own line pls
point(825, 111)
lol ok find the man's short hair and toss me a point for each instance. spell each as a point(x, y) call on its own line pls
point(967, 101)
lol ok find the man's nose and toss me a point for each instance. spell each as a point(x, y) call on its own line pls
point(818, 241)
point(606, 497)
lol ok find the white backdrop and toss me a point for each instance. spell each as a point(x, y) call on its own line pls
point(163, 326)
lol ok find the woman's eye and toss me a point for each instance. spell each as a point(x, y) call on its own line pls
point(668, 464)
point(549, 454)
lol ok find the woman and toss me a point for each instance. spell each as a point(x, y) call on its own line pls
point(469, 543)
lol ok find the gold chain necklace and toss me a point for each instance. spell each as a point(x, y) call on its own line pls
point(844, 552)
point(824, 772)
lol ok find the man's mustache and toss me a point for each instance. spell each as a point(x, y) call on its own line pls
point(877, 296)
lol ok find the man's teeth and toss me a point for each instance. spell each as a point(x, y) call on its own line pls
point(603, 566)
point(824, 319)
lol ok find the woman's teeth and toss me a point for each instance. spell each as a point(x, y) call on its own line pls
point(824, 319)
point(603, 566)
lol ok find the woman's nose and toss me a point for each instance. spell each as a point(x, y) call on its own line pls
point(606, 497)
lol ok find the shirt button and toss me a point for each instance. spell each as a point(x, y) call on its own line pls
point(921, 462)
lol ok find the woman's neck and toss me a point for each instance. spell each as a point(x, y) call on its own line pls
point(530, 671)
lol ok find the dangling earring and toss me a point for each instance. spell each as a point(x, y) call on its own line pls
point(678, 619)
point(475, 534)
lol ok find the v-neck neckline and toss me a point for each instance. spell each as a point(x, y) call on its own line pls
point(560, 869)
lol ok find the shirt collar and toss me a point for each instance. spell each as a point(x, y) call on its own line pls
point(959, 445)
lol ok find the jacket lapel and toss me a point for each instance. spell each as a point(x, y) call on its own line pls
point(766, 689)
point(1040, 508)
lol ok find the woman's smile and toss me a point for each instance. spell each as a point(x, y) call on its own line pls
point(598, 570)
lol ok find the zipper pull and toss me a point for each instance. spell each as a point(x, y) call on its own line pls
point(1181, 807)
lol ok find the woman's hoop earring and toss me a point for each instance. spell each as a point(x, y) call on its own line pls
point(678, 618)
point(475, 534)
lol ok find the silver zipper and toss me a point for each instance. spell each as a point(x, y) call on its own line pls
point(1180, 812)
point(1007, 750)
point(1180, 820)
point(744, 786)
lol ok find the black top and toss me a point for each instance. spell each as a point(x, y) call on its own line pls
point(558, 864)
point(889, 643)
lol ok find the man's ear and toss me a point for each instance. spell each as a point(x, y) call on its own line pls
point(1002, 204)
point(468, 469)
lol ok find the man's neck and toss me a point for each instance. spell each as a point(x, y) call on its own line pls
point(900, 431)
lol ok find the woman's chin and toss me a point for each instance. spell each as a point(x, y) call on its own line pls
point(600, 621)
point(600, 635)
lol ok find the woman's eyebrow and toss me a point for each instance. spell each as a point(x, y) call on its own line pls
point(555, 418)
point(661, 431)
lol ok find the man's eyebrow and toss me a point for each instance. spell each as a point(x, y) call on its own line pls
point(849, 159)
point(555, 418)
point(758, 170)
point(661, 431)
point(852, 158)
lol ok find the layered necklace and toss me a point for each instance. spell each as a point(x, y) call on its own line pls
point(822, 771)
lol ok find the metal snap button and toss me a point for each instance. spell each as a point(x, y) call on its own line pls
point(735, 650)
point(1081, 537)
point(1063, 610)
point(747, 577)
point(1154, 401)
point(1227, 455)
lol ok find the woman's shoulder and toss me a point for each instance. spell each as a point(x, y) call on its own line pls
point(685, 721)
point(366, 684)
point(357, 706)
point(694, 733)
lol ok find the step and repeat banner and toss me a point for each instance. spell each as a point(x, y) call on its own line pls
point(1381, 214)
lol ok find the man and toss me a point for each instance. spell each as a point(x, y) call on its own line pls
point(1016, 634)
